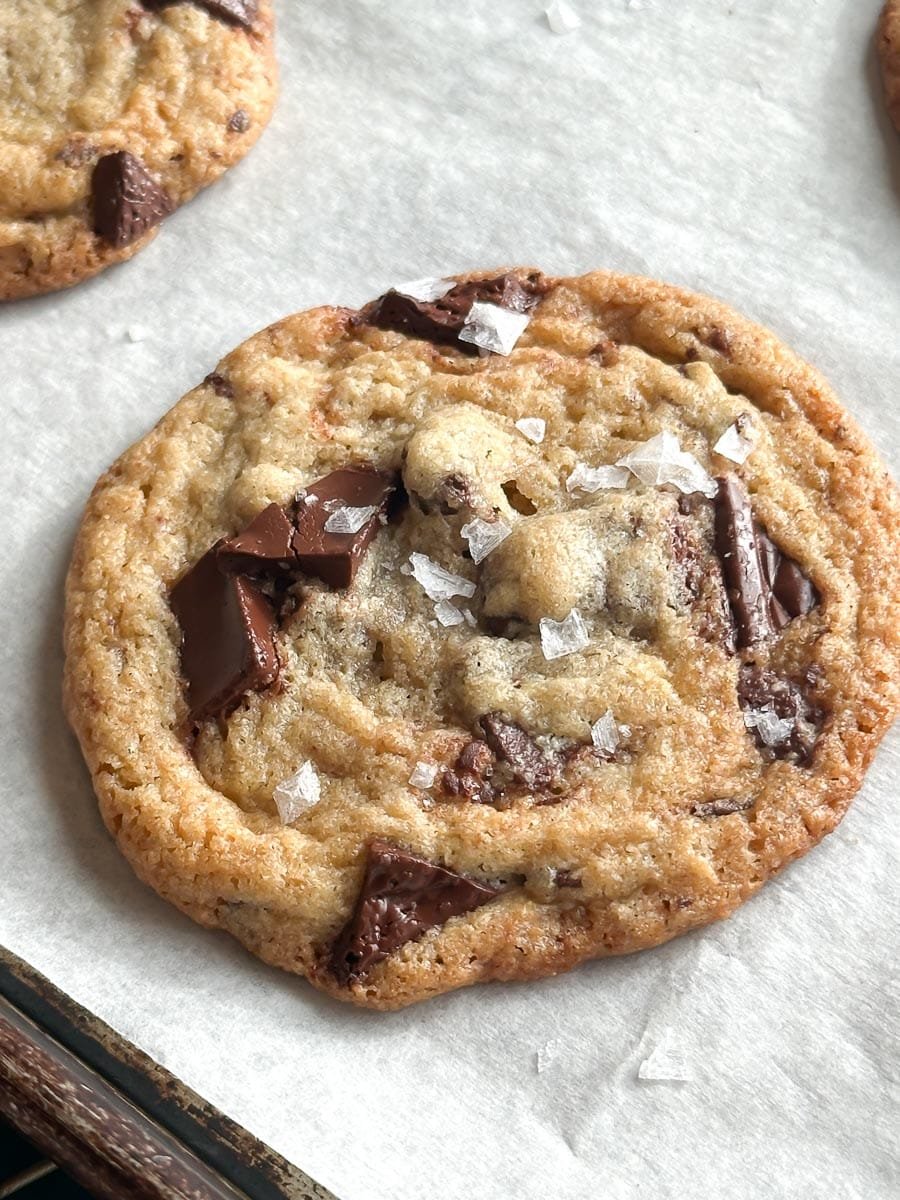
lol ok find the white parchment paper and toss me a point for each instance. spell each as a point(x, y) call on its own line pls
point(736, 146)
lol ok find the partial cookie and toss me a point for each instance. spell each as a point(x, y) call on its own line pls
point(114, 113)
point(502, 624)
point(889, 53)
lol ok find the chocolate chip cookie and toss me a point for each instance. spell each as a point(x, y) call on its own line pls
point(889, 53)
point(506, 622)
point(114, 113)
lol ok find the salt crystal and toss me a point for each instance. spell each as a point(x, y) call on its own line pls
point(534, 428)
point(484, 536)
point(772, 729)
point(561, 17)
point(606, 734)
point(424, 775)
point(136, 333)
point(437, 583)
point(547, 1055)
point(425, 290)
point(447, 613)
point(468, 618)
point(349, 519)
point(661, 460)
point(592, 479)
point(297, 794)
point(665, 1063)
point(734, 446)
point(493, 328)
point(559, 638)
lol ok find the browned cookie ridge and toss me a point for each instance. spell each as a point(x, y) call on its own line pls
point(505, 623)
point(94, 152)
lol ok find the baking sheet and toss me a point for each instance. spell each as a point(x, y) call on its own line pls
point(739, 148)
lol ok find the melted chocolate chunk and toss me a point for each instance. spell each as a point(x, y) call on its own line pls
point(220, 385)
point(264, 547)
point(335, 557)
point(127, 199)
point(441, 321)
point(470, 774)
point(791, 699)
point(723, 807)
point(512, 745)
point(235, 12)
point(401, 897)
point(766, 589)
point(227, 637)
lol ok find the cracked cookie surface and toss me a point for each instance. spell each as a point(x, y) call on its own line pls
point(183, 88)
point(592, 721)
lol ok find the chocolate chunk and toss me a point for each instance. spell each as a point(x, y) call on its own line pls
point(512, 745)
point(220, 385)
point(718, 339)
point(227, 637)
point(739, 553)
point(441, 321)
point(335, 557)
point(239, 121)
point(127, 199)
point(264, 547)
point(566, 879)
point(401, 897)
point(766, 589)
point(723, 807)
point(470, 774)
point(235, 12)
point(761, 689)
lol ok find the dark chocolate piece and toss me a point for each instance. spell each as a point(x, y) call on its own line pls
point(514, 746)
point(264, 547)
point(441, 321)
point(127, 199)
point(335, 557)
point(220, 385)
point(401, 897)
point(227, 637)
point(760, 688)
point(235, 12)
point(766, 588)
point(723, 807)
point(739, 553)
point(239, 121)
point(566, 879)
point(470, 774)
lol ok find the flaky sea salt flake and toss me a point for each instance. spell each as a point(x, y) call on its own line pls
point(423, 775)
point(559, 638)
point(493, 328)
point(734, 446)
point(484, 536)
point(447, 613)
point(437, 583)
point(533, 428)
point(137, 333)
point(772, 729)
point(592, 479)
point(297, 794)
point(562, 17)
point(661, 460)
point(665, 1062)
point(425, 290)
point(468, 617)
point(606, 734)
point(349, 519)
